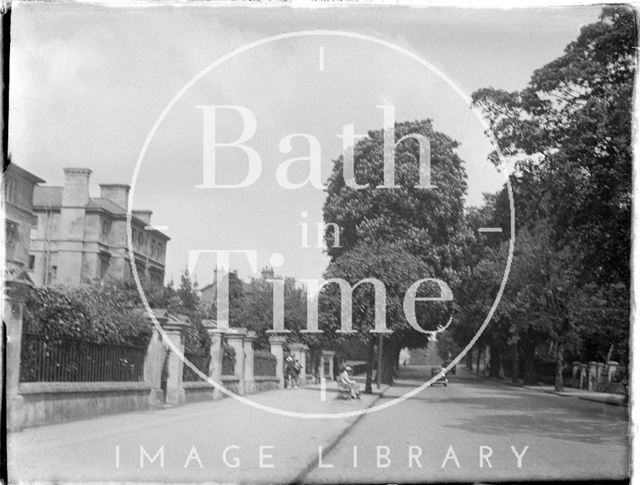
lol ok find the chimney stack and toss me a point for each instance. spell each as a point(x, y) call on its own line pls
point(117, 193)
point(143, 215)
point(76, 187)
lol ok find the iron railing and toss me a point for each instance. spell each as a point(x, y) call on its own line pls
point(74, 360)
point(200, 361)
point(228, 365)
point(264, 364)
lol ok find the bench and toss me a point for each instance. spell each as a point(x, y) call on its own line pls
point(344, 390)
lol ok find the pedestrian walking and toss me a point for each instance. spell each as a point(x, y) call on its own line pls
point(292, 371)
point(297, 368)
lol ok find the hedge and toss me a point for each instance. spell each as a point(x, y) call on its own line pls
point(100, 314)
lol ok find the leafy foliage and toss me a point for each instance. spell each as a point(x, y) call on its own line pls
point(568, 136)
point(186, 301)
point(257, 307)
point(99, 314)
point(419, 219)
point(397, 235)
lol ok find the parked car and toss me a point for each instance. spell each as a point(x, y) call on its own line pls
point(443, 379)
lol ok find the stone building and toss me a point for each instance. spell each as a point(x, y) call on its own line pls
point(19, 217)
point(78, 239)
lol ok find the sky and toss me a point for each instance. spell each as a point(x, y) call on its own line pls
point(89, 82)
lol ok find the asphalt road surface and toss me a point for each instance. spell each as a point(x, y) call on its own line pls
point(479, 429)
point(471, 430)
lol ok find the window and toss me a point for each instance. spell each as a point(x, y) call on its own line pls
point(10, 189)
point(104, 265)
point(106, 226)
point(156, 250)
point(11, 238)
point(138, 238)
point(32, 261)
point(156, 277)
point(141, 269)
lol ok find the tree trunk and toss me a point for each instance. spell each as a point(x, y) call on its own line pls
point(530, 376)
point(478, 356)
point(396, 357)
point(609, 354)
point(495, 362)
point(469, 358)
point(388, 364)
point(367, 386)
point(559, 367)
point(515, 364)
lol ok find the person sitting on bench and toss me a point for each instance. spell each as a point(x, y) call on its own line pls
point(345, 378)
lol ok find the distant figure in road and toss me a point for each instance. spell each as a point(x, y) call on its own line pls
point(345, 378)
point(292, 372)
point(297, 368)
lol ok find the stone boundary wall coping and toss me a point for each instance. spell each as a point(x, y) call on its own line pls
point(265, 378)
point(197, 385)
point(71, 387)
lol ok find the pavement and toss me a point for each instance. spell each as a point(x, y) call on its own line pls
point(472, 430)
point(260, 446)
point(603, 397)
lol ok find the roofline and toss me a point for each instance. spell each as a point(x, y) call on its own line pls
point(118, 186)
point(46, 207)
point(158, 233)
point(80, 170)
point(102, 210)
point(25, 173)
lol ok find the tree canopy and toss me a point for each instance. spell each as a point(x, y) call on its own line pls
point(397, 235)
point(567, 137)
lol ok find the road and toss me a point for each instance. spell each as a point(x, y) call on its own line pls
point(446, 429)
point(555, 437)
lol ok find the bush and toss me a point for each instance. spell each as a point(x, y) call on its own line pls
point(621, 376)
point(196, 338)
point(99, 314)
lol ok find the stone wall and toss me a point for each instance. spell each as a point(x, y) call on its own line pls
point(39, 403)
point(198, 391)
point(263, 383)
point(56, 402)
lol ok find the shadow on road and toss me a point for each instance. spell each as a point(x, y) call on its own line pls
point(499, 409)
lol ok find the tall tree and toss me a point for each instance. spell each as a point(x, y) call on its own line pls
point(187, 302)
point(257, 307)
point(236, 301)
point(398, 235)
point(568, 136)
